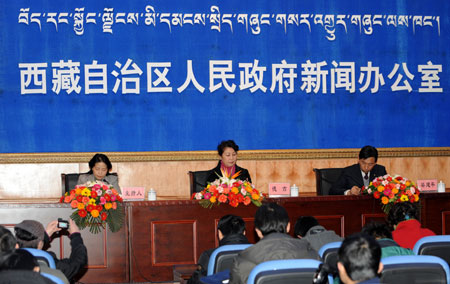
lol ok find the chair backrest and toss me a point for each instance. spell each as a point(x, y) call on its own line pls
point(329, 253)
point(325, 178)
point(285, 271)
point(53, 278)
point(434, 245)
point(197, 180)
point(42, 256)
point(222, 257)
point(68, 182)
point(415, 269)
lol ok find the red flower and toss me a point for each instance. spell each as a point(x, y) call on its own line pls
point(94, 194)
point(376, 194)
point(79, 198)
point(107, 197)
point(234, 203)
point(82, 213)
point(103, 216)
point(389, 179)
point(90, 207)
point(99, 208)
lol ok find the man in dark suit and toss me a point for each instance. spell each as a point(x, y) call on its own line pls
point(354, 177)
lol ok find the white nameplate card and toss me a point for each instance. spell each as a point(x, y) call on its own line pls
point(279, 190)
point(427, 185)
point(133, 193)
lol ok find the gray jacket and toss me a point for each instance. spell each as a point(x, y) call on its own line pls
point(318, 236)
point(272, 247)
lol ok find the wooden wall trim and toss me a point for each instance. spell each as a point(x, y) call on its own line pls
point(83, 157)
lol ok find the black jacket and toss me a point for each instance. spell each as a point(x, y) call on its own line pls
point(244, 175)
point(351, 176)
point(77, 260)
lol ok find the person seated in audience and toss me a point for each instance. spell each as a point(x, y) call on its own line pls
point(354, 177)
point(7, 240)
point(31, 234)
point(383, 235)
point(100, 168)
point(231, 231)
point(272, 227)
point(228, 151)
point(19, 266)
point(359, 260)
point(309, 229)
point(404, 220)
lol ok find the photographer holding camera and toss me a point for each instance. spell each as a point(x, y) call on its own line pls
point(31, 234)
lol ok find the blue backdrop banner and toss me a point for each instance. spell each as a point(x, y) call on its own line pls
point(184, 75)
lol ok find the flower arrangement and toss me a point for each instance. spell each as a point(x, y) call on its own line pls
point(96, 204)
point(391, 190)
point(229, 190)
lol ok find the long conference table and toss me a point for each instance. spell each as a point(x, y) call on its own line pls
point(158, 235)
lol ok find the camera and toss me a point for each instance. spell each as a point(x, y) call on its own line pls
point(63, 224)
point(321, 276)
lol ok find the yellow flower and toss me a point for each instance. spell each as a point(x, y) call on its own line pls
point(248, 188)
point(86, 192)
point(80, 206)
point(407, 183)
point(212, 199)
point(404, 198)
point(92, 201)
point(384, 200)
point(95, 213)
point(235, 190)
point(380, 188)
point(255, 196)
point(108, 205)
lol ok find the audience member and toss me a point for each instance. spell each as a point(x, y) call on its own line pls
point(100, 168)
point(403, 218)
point(231, 230)
point(31, 234)
point(7, 240)
point(308, 228)
point(19, 266)
point(354, 177)
point(359, 260)
point(383, 235)
point(271, 225)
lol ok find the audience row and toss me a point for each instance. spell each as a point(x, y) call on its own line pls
point(272, 226)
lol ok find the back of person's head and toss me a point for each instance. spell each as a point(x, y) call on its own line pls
point(271, 218)
point(231, 224)
point(360, 255)
point(377, 230)
point(303, 224)
point(29, 233)
point(18, 259)
point(402, 211)
point(367, 152)
point(227, 144)
point(99, 158)
point(7, 240)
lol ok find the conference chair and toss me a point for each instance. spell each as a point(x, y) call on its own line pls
point(412, 269)
point(325, 178)
point(285, 271)
point(69, 181)
point(222, 257)
point(197, 180)
point(329, 255)
point(53, 278)
point(42, 257)
point(434, 245)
